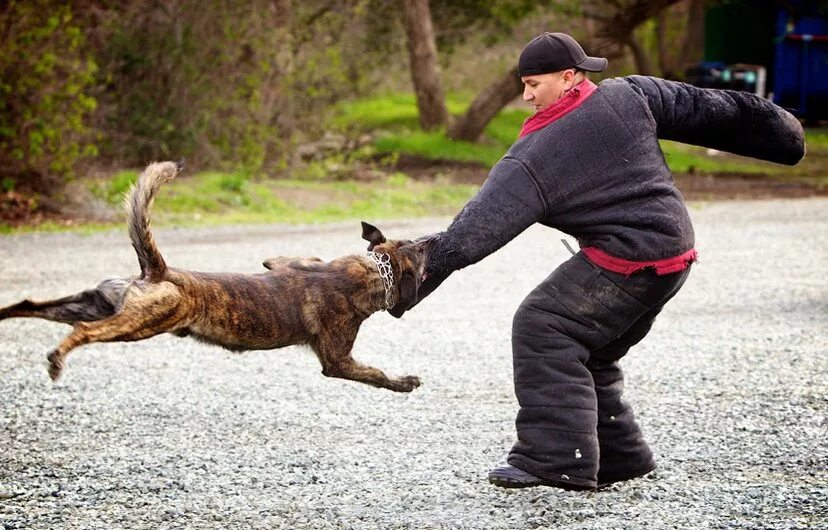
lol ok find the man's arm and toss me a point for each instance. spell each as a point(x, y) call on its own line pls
point(737, 122)
point(507, 204)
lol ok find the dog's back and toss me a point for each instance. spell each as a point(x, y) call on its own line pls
point(287, 305)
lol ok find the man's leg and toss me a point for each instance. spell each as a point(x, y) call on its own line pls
point(556, 423)
point(554, 329)
point(576, 310)
point(624, 454)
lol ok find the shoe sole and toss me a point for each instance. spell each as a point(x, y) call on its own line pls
point(514, 484)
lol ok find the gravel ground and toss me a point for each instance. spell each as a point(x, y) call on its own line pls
point(731, 388)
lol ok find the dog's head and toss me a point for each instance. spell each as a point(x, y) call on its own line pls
point(408, 261)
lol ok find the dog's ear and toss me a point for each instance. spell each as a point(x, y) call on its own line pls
point(372, 234)
point(409, 285)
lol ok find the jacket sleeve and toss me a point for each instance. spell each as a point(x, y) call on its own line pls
point(727, 120)
point(507, 204)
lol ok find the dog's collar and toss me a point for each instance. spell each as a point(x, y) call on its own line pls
point(383, 263)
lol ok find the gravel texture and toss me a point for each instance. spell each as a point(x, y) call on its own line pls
point(731, 388)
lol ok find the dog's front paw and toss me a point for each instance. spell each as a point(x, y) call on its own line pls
point(406, 383)
point(55, 365)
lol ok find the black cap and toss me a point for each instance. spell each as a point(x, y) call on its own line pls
point(553, 52)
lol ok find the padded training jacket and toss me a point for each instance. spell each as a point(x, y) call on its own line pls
point(599, 175)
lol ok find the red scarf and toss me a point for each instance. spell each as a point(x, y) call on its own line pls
point(569, 102)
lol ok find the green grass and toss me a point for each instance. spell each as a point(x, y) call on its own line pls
point(435, 146)
point(229, 198)
point(812, 169)
point(684, 158)
point(817, 139)
point(115, 187)
point(236, 197)
point(394, 119)
point(392, 111)
point(295, 201)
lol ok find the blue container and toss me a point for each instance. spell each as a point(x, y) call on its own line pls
point(801, 65)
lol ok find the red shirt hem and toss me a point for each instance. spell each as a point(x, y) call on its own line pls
point(627, 267)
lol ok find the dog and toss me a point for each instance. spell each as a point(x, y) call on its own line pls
point(303, 301)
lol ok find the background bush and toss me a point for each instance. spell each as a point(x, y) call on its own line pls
point(221, 83)
point(224, 84)
point(47, 82)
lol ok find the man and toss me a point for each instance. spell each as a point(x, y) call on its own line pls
point(589, 164)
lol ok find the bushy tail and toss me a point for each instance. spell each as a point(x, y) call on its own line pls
point(138, 203)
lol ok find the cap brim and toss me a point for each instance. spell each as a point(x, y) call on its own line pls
point(593, 64)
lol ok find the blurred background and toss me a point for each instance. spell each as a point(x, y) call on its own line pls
point(321, 110)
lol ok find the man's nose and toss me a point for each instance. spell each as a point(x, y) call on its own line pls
point(527, 94)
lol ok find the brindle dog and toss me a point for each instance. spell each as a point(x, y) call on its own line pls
point(297, 301)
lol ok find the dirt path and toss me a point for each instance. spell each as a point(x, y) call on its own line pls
point(731, 389)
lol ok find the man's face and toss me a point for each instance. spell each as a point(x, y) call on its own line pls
point(542, 90)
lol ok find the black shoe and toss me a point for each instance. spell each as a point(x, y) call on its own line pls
point(607, 479)
point(508, 476)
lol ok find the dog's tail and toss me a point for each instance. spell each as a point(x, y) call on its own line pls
point(138, 203)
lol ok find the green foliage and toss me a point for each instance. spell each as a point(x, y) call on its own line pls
point(495, 18)
point(226, 84)
point(393, 119)
point(231, 182)
point(216, 197)
point(115, 187)
point(390, 111)
point(395, 116)
point(816, 138)
point(454, 21)
point(504, 128)
point(46, 78)
point(393, 111)
point(436, 146)
point(684, 158)
point(191, 79)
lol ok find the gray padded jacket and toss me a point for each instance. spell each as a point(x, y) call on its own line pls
point(599, 175)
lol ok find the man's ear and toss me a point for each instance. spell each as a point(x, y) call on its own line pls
point(372, 234)
point(408, 295)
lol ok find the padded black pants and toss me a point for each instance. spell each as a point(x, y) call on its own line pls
point(573, 427)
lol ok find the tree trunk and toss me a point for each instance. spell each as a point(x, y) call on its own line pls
point(665, 59)
point(486, 106)
point(425, 72)
point(643, 64)
point(617, 20)
point(692, 50)
point(613, 31)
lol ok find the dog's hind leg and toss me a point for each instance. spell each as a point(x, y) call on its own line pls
point(93, 304)
point(142, 316)
point(334, 351)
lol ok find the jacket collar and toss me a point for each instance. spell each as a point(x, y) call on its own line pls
point(572, 100)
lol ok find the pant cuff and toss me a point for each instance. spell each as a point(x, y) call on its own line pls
point(567, 481)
